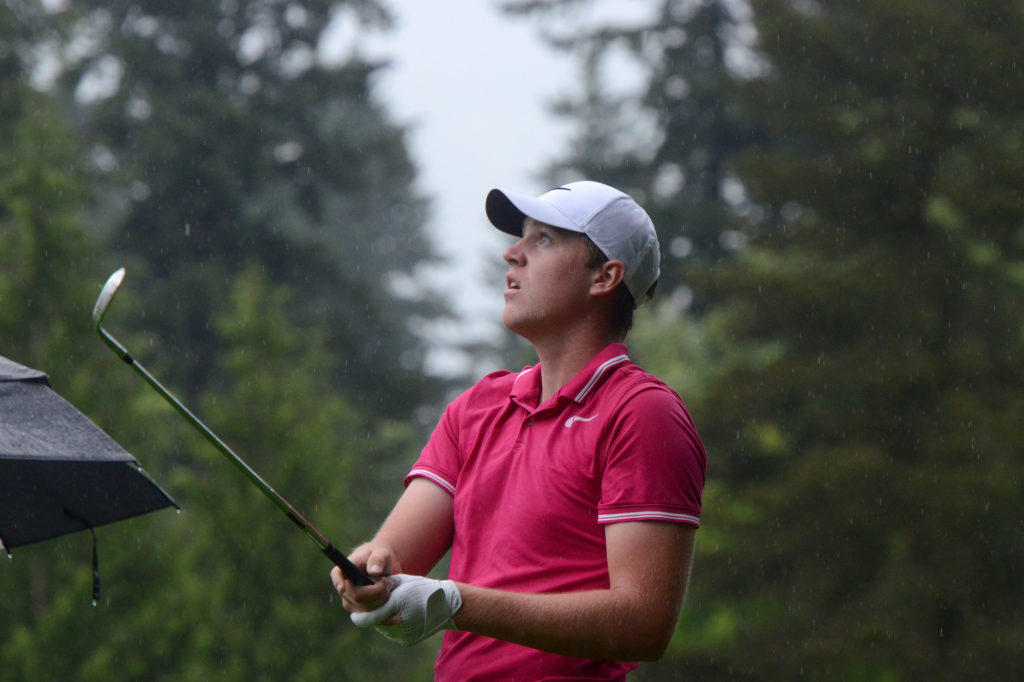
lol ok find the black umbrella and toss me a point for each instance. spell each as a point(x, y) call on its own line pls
point(59, 472)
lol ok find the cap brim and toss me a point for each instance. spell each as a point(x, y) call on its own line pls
point(503, 214)
point(508, 210)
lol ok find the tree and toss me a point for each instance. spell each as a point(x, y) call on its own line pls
point(228, 589)
point(222, 139)
point(874, 378)
point(666, 137)
point(43, 248)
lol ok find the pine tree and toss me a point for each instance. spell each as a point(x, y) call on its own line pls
point(224, 142)
point(301, 356)
point(864, 422)
point(666, 136)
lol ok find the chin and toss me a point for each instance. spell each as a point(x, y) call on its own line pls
point(514, 323)
point(509, 321)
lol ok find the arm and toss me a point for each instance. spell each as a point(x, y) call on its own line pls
point(648, 565)
point(413, 538)
point(416, 534)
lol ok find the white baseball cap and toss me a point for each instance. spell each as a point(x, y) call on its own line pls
point(613, 221)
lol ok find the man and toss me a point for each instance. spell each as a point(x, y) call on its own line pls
point(569, 493)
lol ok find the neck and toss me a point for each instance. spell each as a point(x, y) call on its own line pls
point(563, 358)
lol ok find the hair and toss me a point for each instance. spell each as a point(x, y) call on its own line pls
point(624, 303)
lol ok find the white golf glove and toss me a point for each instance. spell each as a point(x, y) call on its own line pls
point(423, 606)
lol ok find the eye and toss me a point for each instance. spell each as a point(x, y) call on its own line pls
point(543, 238)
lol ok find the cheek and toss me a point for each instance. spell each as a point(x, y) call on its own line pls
point(574, 280)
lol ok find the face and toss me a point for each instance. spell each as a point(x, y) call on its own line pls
point(548, 282)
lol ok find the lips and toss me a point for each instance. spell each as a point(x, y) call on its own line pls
point(510, 284)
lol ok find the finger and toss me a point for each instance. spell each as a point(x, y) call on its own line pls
point(367, 598)
point(364, 603)
point(338, 580)
point(350, 605)
point(377, 616)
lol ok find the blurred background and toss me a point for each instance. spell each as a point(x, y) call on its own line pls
point(295, 188)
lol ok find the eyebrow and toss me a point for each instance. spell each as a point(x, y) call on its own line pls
point(545, 227)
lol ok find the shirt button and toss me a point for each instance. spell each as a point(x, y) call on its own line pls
point(529, 422)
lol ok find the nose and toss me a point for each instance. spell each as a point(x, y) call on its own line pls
point(513, 255)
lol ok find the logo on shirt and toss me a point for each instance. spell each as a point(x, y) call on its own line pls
point(572, 420)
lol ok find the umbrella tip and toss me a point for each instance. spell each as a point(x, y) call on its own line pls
point(106, 296)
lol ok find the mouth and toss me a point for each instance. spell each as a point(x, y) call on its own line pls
point(511, 285)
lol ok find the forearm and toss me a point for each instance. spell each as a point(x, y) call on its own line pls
point(614, 624)
point(418, 531)
point(412, 539)
point(634, 620)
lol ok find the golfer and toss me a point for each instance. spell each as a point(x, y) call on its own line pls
point(569, 493)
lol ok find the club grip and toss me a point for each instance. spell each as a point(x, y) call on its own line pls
point(349, 569)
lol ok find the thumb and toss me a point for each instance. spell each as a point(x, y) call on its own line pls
point(379, 563)
point(381, 613)
point(365, 619)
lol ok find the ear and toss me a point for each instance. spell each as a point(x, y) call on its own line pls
point(607, 277)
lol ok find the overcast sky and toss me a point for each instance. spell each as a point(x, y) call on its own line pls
point(473, 85)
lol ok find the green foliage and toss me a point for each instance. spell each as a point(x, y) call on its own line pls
point(229, 589)
point(876, 448)
point(664, 137)
point(41, 250)
point(271, 319)
point(852, 360)
point(225, 142)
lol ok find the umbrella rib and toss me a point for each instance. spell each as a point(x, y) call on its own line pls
point(76, 517)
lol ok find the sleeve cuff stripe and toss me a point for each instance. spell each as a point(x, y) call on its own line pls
point(435, 478)
point(648, 516)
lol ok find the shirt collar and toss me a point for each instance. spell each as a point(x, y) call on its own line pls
point(526, 387)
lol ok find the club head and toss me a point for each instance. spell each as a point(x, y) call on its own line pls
point(106, 296)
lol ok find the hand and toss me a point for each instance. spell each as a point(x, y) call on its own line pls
point(377, 562)
point(416, 608)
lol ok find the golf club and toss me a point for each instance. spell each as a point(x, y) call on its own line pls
point(350, 570)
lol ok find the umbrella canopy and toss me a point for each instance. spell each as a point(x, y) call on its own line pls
point(59, 472)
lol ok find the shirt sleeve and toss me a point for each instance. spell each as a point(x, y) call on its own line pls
point(440, 459)
point(654, 464)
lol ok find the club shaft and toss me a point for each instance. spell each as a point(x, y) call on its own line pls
point(350, 570)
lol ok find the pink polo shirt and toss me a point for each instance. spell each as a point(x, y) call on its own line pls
point(534, 485)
